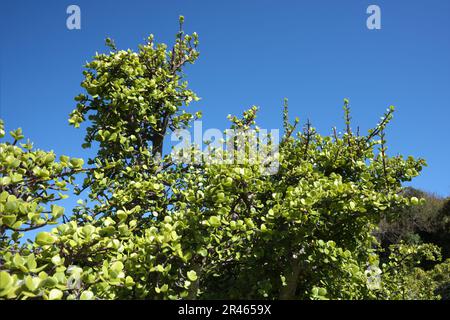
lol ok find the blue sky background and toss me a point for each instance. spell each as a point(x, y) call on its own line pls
point(313, 52)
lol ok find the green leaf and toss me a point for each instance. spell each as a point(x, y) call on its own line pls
point(117, 266)
point(16, 177)
point(55, 294)
point(18, 260)
point(5, 181)
point(129, 281)
point(87, 295)
point(77, 163)
point(88, 230)
point(214, 221)
point(17, 134)
point(221, 196)
point(192, 275)
point(5, 280)
point(203, 252)
point(263, 228)
point(164, 288)
point(12, 205)
point(322, 292)
point(32, 283)
point(57, 211)
point(56, 260)
point(352, 205)
point(31, 262)
point(9, 220)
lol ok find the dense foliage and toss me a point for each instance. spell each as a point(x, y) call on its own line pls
point(153, 228)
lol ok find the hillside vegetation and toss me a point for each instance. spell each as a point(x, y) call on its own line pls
point(333, 221)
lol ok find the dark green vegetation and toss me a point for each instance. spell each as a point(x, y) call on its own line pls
point(150, 228)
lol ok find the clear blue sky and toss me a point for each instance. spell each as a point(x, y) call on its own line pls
point(252, 52)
